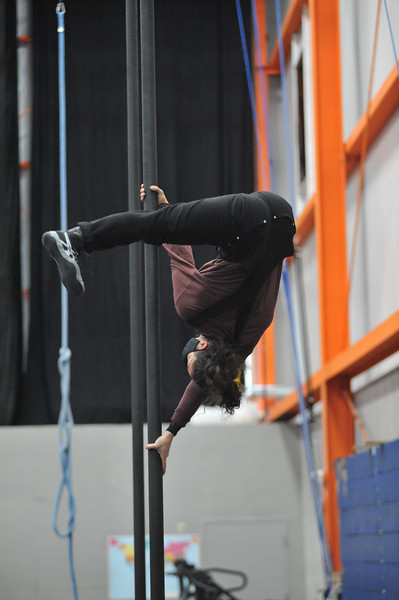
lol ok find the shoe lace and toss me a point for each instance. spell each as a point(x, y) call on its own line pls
point(69, 249)
point(82, 255)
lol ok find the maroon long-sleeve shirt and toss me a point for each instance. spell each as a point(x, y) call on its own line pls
point(196, 289)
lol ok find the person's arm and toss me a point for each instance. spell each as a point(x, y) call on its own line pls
point(162, 446)
point(188, 405)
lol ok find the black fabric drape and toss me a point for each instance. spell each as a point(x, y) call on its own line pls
point(204, 149)
point(10, 288)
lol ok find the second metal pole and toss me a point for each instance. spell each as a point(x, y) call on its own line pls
point(154, 419)
point(137, 329)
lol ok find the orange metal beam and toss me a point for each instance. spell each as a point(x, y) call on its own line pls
point(377, 344)
point(291, 24)
point(264, 366)
point(286, 408)
point(330, 215)
point(305, 221)
point(262, 170)
point(270, 359)
point(383, 105)
point(264, 353)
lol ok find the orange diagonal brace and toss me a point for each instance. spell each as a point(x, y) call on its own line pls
point(377, 344)
point(305, 221)
point(291, 24)
point(383, 105)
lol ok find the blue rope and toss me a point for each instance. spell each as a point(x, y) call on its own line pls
point(308, 438)
point(250, 86)
point(264, 95)
point(65, 419)
point(392, 38)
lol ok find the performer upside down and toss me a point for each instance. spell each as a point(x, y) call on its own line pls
point(230, 300)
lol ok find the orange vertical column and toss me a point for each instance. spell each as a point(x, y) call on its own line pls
point(264, 354)
point(330, 211)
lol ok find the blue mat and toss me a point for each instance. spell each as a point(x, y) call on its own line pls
point(368, 497)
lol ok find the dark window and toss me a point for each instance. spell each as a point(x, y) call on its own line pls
point(301, 122)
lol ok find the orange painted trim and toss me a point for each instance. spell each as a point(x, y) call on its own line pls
point(24, 165)
point(259, 370)
point(290, 25)
point(24, 39)
point(383, 105)
point(270, 358)
point(25, 112)
point(270, 70)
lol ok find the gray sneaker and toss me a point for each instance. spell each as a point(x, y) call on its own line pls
point(58, 245)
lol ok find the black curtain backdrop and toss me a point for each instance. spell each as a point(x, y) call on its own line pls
point(10, 289)
point(204, 149)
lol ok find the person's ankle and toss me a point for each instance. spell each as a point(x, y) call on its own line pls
point(76, 238)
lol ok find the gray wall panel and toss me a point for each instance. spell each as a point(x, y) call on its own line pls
point(357, 33)
point(378, 407)
point(375, 287)
point(249, 471)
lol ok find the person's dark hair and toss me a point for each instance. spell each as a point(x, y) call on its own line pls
point(215, 370)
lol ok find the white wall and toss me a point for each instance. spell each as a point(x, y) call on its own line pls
point(377, 404)
point(375, 288)
point(358, 19)
point(313, 571)
point(213, 472)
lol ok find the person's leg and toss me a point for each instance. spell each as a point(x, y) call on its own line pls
point(207, 221)
point(64, 247)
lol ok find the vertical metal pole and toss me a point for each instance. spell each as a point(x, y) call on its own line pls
point(137, 327)
point(152, 301)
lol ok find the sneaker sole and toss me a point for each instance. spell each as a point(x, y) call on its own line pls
point(68, 268)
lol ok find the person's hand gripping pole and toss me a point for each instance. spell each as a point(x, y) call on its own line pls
point(161, 194)
point(162, 446)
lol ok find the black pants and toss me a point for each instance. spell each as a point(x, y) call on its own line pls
point(236, 223)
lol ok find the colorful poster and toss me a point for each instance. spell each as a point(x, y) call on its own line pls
point(121, 563)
